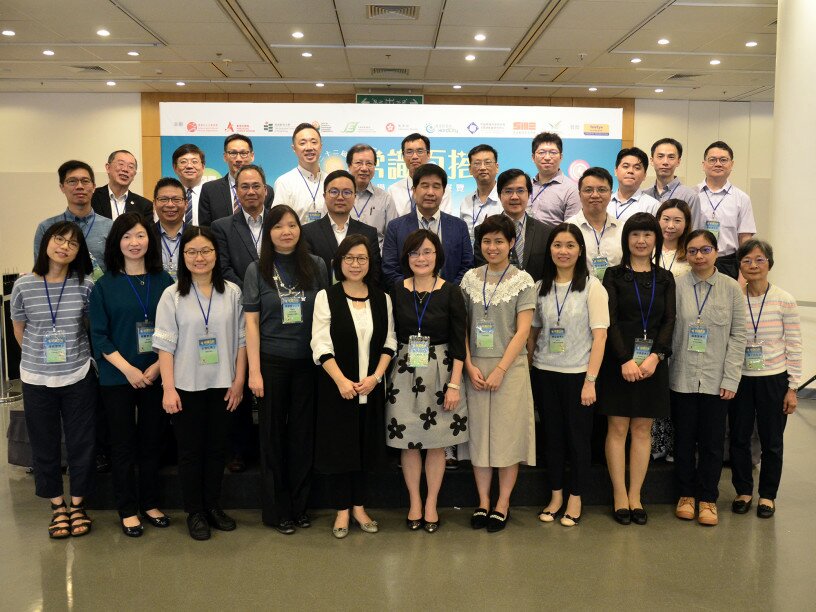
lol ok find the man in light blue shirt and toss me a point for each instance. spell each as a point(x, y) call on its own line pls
point(479, 205)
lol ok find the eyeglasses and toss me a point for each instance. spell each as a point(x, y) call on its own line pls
point(242, 154)
point(363, 164)
point(548, 153)
point(183, 163)
point(508, 193)
point(250, 186)
point(334, 192)
point(425, 253)
point(359, 259)
point(412, 152)
point(488, 163)
point(123, 165)
point(73, 182)
point(168, 199)
point(706, 250)
point(61, 240)
point(748, 262)
point(598, 190)
point(193, 253)
point(713, 160)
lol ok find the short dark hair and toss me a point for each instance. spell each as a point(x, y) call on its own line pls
point(641, 221)
point(115, 260)
point(634, 152)
point(549, 273)
point(669, 141)
point(115, 153)
point(413, 137)
point(234, 137)
point(334, 175)
point(684, 208)
point(254, 167)
point(496, 223)
point(167, 181)
point(597, 172)
point(430, 170)
point(70, 166)
point(719, 144)
point(511, 174)
point(755, 243)
point(548, 137)
point(413, 241)
point(483, 148)
point(185, 277)
point(348, 243)
point(81, 266)
point(360, 148)
point(709, 237)
point(305, 126)
point(187, 148)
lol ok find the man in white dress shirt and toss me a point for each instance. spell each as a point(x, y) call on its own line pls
point(302, 187)
point(416, 151)
point(630, 170)
point(373, 205)
point(479, 205)
point(188, 164)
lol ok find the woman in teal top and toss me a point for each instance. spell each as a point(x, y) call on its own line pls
point(122, 312)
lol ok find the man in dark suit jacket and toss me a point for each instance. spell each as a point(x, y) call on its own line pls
point(430, 182)
point(218, 197)
point(325, 234)
point(116, 197)
point(514, 187)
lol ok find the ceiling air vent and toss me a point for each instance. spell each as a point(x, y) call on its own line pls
point(684, 76)
point(392, 11)
point(389, 72)
point(87, 69)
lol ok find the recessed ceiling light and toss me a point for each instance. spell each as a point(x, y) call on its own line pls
point(457, 87)
point(479, 37)
point(750, 43)
point(111, 83)
point(470, 57)
point(663, 41)
point(102, 33)
point(48, 52)
point(133, 53)
point(9, 32)
point(635, 60)
point(180, 83)
point(714, 62)
point(297, 34)
point(306, 54)
point(658, 90)
point(593, 89)
point(320, 84)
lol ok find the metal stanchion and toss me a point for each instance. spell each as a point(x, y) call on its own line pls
point(6, 394)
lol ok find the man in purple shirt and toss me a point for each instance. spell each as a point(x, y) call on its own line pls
point(554, 197)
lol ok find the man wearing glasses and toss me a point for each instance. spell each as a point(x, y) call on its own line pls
point(115, 198)
point(188, 164)
point(479, 205)
point(218, 198)
point(170, 207)
point(724, 210)
point(373, 206)
point(416, 151)
point(554, 198)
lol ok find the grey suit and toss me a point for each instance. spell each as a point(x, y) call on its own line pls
point(536, 234)
point(236, 246)
point(323, 243)
point(215, 201)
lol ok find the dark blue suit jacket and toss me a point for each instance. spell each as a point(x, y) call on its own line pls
point(455, 240)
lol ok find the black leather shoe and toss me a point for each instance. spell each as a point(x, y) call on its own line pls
point(132, 532)
point(303, 521)
point(497, 521)
point(478, 520)
point(219, 520)
point(639, 516)
point(764, 511)
point(286, 527)
point(197, 526)
point(432, 526)
point(622, 516)
point(414, 524)
point(160, 522)
point(739, 506)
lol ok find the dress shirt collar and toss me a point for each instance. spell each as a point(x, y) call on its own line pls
point(558, 178)
point(704, 187)
point(255, 224)
point(336, 227)
point(437, 216)
point(711, 280)
point(315, 178)
point(70, 216)
point(163, 232)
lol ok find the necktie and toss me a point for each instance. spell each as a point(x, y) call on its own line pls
point(188, 214)
point(520, 243)
point(235, 204)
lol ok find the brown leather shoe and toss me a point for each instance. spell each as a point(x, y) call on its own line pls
point(685, 509)
point(708, 514)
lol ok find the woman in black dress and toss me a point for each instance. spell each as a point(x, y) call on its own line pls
point(634, 374)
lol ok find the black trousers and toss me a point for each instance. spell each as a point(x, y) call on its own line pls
point(347, 489)
point(759, 398)
point(137, 423)
point(699, 430)
point(567, 427)
point(286, 422)
point(728, 265)
point(201, 433)
point(50, 412)
point(241, 442)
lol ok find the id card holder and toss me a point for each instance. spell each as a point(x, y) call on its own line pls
point(558, 340)
point(313, 215)
point(599, 266)
point(56, 347)
point(713, 226)
point(754, 359)
point(97, 271)
point(697, 338)
point(419, 350)
point(172, 269)
point(144, 337)
point(292, 310)
point(643, 348)
point(207, 350)
point(484, 334)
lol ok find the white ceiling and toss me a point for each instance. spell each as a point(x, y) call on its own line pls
point(532, 47)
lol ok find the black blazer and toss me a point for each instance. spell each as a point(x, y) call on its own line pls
point(215, 201)
point(236, 247)
point(101, 204)
point(322, 242)
point(536, 234)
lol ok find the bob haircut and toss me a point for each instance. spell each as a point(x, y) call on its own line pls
point(348, 243)
point(581, 272)
point(683, 207)
point(115, 259)
point(709, 237)
point(755, 243)
point(185, 277)
point(641, 222)
point(496, 223)
point(82, 264)
point(305, 269)
point(412, 243)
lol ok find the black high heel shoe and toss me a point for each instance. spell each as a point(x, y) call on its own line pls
point(415, 524)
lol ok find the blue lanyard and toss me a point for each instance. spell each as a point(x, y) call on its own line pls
point(559, 308)
point(410, 195)
point(485, 301)
point(671, 194)
point(663, 259)
point(164, 241)
point(751, 310)
point(209, 306)
point(84, 233)
point(625, 208)
point(309, 189)
point(645, 320)
point(474, 214)
point(597, 239)
point(696, 299)
point(362, 210)
point(540, 191)
point(424, 308)
point(710, 203)
point(146, 303)
point(54, 312)
point(255, 241)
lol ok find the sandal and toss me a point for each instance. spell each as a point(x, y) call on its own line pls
point(81, 523)
point(60, 526)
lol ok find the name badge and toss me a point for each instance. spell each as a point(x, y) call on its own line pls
point(754, 359)
point(172, 269)
point(713, 226)
point(56, 347)
point(697, 338)
point(292, 311)
point(643, 348)
point(484, 334)
point(558, 340)
point(599, 266)
point(313, 215)
point(419, 350)
point(144, 336)
point(207, 350)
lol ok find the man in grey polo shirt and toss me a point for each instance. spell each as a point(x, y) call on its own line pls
point(555, 197)
point(666, 156)
point(373, 205)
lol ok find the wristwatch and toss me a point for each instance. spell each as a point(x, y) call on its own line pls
point(661, 356)
point(378, 379)
point(591, 378)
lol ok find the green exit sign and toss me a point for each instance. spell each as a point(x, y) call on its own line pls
point(389, 99)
